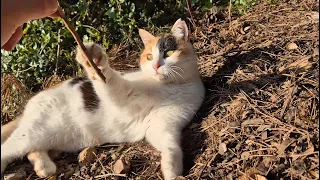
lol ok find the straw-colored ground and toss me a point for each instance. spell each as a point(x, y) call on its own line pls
point(260, 115)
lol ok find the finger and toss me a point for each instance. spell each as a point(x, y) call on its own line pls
point(26, 10)
point(15, 38)
point(54, 15)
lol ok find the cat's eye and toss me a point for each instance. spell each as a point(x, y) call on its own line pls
point(169, 53)
point(149, 57)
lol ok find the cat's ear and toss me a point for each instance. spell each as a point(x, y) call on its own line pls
point(145, 36)
point(180, 30)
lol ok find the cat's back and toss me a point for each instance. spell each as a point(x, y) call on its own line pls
point(61, 96)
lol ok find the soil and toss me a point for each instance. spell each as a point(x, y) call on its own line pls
point(260, 118)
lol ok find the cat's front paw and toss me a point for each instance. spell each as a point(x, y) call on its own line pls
point(97, 54)
point(44, 168)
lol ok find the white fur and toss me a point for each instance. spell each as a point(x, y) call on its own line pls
point(132, 107)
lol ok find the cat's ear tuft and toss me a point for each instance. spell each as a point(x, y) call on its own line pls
point(146, 37)
point(180, 30)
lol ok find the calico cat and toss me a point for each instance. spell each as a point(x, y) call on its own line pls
point(154, 103)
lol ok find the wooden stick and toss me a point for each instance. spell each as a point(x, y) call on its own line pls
point(80, 43)
point(192, 20)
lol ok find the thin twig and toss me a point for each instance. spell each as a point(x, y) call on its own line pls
point(229, 9)
point(188, 6)
point(104, 169)
point(207, 164)
point(80, 43)
point(108, 175)
point(58, 52)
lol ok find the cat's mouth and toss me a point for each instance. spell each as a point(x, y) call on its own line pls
point(160, 77)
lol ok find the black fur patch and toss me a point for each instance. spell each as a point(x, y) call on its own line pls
point(168, 43)
point(77, 80)
point(90, 97)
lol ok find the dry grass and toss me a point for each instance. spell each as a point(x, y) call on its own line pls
point(260, 116)
point(14, 96)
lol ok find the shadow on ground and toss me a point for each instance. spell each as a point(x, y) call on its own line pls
point(193, 139)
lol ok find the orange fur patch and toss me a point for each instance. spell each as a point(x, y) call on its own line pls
point(148, 50)
point(34, 156)
point(183, 49)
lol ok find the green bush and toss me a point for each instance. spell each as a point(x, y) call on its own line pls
point(239, 7)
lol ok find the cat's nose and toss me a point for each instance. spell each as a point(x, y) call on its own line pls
point(156, 66)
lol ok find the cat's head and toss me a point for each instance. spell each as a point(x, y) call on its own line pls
point(169, 58)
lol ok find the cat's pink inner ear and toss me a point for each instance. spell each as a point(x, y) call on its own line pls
point(180, 30)
point(146, 37)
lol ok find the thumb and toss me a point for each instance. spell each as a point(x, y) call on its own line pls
point(27, 10)
point(11, 43)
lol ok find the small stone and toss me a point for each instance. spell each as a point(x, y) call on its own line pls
point(292, 46)
point(121, 167)
point(87, 155)
point(222, 148)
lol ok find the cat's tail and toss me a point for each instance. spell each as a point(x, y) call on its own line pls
point(7, 129)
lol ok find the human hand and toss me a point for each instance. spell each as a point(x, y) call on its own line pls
point(14, 13)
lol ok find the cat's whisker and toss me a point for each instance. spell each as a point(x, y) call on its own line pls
point(179, 75)
point(169, 75)
point(172, 75)
point(172, 66)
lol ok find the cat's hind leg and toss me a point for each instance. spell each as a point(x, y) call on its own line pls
point(7, 129)
point(13, 148)
point(27, 137)
point(43, 165)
